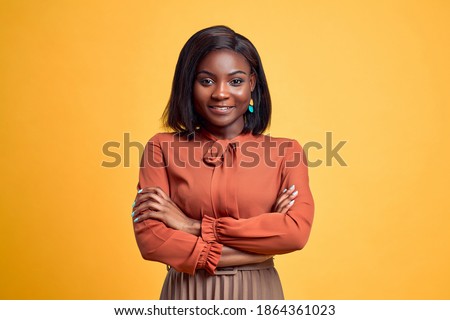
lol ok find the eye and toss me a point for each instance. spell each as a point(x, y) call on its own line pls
point(236, 82)
point(206, 81)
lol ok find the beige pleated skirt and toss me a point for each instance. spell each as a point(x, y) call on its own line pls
point(250, 282)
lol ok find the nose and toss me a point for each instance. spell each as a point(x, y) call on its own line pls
point(220, 91)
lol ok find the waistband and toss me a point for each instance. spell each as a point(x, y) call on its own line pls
point(246, 267)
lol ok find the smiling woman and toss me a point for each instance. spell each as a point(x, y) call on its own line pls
point(222, 92)
point(215, 218)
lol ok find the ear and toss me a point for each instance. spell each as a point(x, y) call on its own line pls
point(252, 81)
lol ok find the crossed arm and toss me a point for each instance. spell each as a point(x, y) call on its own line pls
point(153, 203)
point(166, 234)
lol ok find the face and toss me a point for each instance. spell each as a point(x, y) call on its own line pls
point(222, 92)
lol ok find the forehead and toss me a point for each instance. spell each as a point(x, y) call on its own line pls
point(223, 60)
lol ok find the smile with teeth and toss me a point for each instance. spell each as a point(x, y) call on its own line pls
point(220, 108)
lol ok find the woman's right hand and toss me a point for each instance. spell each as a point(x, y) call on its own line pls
point(154, 203)
point(285, 200)
point(231, 257)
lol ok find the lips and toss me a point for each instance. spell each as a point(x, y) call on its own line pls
point(221, 109)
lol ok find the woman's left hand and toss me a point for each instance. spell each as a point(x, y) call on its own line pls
point(153, 203)
point(285, 200)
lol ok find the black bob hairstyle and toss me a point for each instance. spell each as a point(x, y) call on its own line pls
point(180, 114)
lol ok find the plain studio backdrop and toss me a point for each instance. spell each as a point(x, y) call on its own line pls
point(81, 80)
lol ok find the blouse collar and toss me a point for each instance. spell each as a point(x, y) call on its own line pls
point(239, 138)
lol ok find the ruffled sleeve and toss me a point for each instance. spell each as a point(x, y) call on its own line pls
point(209, 229)
point(210, 256)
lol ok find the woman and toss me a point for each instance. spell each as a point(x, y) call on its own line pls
point(218, 199)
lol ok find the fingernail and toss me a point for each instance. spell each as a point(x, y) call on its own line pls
point(132, 214)
point(292, 187)
point(133, 204)
point(295, 193)
point(136, 220)
point(140, 191)
point(291, 202)
point(284, 190)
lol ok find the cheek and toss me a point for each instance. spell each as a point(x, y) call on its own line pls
point(200, 94)
point(242, 96)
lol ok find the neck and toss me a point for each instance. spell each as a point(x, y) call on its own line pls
point(224, 133)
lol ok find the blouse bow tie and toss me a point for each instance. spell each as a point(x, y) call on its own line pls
point(217, 153)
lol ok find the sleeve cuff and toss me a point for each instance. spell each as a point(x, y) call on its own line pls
point(209, 257)
point(209, 229)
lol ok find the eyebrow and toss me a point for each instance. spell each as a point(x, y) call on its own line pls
point(230, 74)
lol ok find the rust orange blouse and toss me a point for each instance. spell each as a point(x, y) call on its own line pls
point(231, 186)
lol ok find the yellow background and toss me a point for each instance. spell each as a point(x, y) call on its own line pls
point(77, 74)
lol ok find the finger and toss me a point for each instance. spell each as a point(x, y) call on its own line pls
point(157, 190)
point(283, 203)
point(149, 215)
point(290, 196)
point(141, 192)
point(140, 198)
point(141, 217)
point(144, 192)
point(288, 190)
point(285, 194)
point(282, 192)
point(286, 207)
point(147, 190)
point(145, 206)
point(155, 197)
point(282, 197)
point(293, 195)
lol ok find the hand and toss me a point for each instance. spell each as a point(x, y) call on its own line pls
point(153, 203)
point(285, 200)
point(231, 257)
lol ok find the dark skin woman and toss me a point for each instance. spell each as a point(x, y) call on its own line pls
point(224, 83)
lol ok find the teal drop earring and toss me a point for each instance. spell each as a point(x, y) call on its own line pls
point(250, 106)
